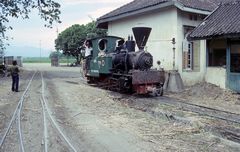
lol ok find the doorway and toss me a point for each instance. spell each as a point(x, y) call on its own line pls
point(233, 72)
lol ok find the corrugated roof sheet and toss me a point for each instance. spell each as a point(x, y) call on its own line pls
point(223, 22)
point(206, 5)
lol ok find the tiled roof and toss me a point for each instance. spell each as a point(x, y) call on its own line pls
point(132, 6)
point(223, 22)
point(205, 5)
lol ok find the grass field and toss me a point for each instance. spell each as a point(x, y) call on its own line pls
point(47, 60)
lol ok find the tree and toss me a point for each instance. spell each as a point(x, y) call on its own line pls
point(48, 11)
point(71, 40)
point(55, 54)
point(1, 53)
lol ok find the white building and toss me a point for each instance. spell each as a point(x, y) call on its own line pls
point(168, 19)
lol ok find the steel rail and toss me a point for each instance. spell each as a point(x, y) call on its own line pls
point(52, 119)
point(203, 110)
point(19, 124)
point(44, 121)
point(19, 129)
point(45, 131)
point(16, 110)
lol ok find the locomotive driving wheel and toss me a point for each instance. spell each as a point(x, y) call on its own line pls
point(159, 91)
point(124, 84)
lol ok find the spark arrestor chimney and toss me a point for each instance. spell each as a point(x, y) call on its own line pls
point(141, 35)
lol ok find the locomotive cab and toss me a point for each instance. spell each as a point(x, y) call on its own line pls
point(101, 60)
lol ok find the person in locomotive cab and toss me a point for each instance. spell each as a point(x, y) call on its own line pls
point(88, 52)
point(14, 72)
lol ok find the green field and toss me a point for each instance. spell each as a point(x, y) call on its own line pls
point(47, 60)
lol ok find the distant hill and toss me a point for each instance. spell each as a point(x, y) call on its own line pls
point(26, 51)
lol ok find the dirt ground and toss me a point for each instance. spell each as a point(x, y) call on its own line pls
point(100, 120)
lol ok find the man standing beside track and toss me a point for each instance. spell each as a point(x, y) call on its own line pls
point(14, 71)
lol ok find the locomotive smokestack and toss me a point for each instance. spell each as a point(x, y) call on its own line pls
point(141, 35)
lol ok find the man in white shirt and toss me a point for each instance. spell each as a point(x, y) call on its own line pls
point(88, 49)
point(88, 53)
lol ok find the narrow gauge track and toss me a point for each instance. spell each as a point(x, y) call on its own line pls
point(17, 115)
point(203, 110)
point(195, 108)
point(45, 110)
point(230, 133)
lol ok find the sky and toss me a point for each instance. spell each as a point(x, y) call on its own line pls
point(31, 39)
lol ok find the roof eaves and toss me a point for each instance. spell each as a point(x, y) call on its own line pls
point(209, 37)
point(148, 9)
point(135, 12)
point(191, 10)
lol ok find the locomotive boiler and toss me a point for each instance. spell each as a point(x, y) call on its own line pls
point(116, 65)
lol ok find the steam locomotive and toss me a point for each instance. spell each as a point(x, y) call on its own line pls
point(114, 64)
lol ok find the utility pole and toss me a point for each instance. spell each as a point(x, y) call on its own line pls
point(174, 53)
point(57, 50)
point(40, 45)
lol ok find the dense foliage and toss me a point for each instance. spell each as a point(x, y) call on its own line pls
point(55, 54)
point(70, 41)
point(1, 54)
point(48, 11)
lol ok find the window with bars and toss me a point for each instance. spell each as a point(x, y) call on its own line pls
point(191, 56)
point(191, 52)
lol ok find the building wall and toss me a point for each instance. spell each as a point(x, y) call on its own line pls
point(217, 76)
point(166, 24)
point(196, 75)
point(163, 24)
point(193, 77)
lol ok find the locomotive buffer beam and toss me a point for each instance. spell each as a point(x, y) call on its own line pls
point(147, 77)
point(150, 81)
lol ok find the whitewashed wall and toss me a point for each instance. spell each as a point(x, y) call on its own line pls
point(190, 77)
point(217, 76)
point(163, 24)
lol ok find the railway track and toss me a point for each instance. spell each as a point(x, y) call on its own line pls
point(227, 132)
point(48, 111)
point(16, 117)
point(203, 110)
